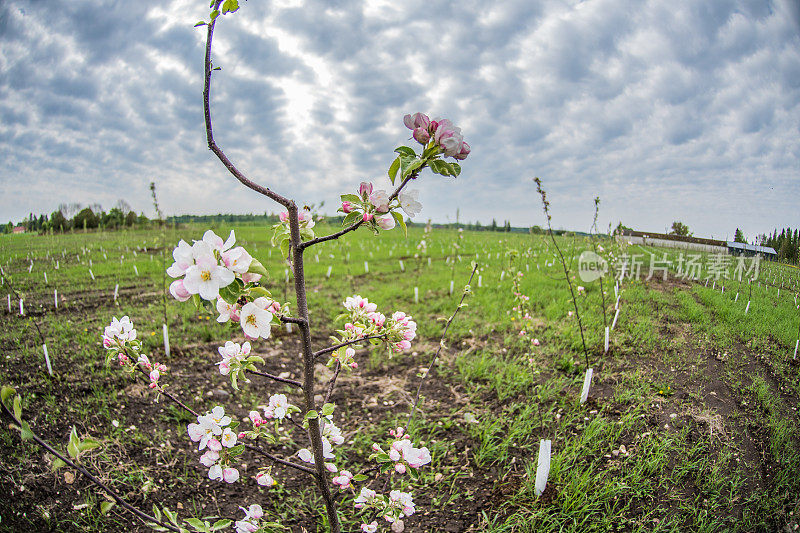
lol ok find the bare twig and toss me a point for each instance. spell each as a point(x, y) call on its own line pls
point(288, 381)
point(546, 207)
point(441, 345)
point(320, 353)
point(108, 490)
point(332, 381)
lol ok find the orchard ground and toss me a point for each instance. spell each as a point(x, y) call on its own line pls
point(691, 423)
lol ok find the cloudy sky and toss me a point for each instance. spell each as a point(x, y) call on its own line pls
point(666, 109)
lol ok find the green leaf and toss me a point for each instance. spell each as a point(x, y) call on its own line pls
point(6, 393)
point(229, 293)
point(255, 359)
point(235, 379)
point(88, 444)
point(360, 477)
point(327, 409)
point(197, 524)
point(430, 151)
point(171, 516)
point(350, 198)
point(286, 245)
point(157, 512)
point(257, 268)
point(214, 15)
point(414, 165)
point(201, 23)
point(230, 6)
point(236, 450)
point(312, 414)
point(255, 292)
point(398, 217)
point(57, 463)
point(383, 458)
point(106, 506)
point(456, 168)
point(405, 150)
point(18, 407)
point(351, 218)
point(72, 449)
point(25, 431)
point(221, 524)
point(393, 168)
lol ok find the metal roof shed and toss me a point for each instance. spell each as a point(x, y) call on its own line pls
point(740, 248)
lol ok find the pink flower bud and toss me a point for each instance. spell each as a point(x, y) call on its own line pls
point(463, 153)
point(241, 435)
point(347, 207)
point(400, 468)
point(417, 120)
point(283, 216)
point(368, 217)
point(365, 189)
point(421, 135)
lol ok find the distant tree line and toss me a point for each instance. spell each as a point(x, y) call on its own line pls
point(72, 217)
point(786, 243)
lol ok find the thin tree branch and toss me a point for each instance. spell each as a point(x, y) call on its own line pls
point(324, 351)
point(288, 381)
point(140, 514)
point(441, 345)
point(212, 145)
point(279, 460)
point(356, 225)
point(332, 381)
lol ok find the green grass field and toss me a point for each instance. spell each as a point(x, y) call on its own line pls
point(691, 422)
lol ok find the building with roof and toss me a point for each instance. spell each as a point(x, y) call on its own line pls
point(749, 250)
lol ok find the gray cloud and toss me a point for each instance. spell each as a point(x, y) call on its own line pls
point(668, 111)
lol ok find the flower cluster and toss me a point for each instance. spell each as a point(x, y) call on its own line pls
point(278, 409)
point(119, 333)
point(282, 236)
point(401, 453)
point(392, 508)
point(250, 523)
point(441, 132)
point(364, 320)
point(207, 266)
point(376, 209)
point(119, 340)
point(216, 432)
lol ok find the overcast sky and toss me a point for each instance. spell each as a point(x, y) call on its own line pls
point(666, 109)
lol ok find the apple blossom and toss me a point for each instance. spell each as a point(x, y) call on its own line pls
point(278, 407)
point(386, 222)
point(365, 497)
point(209, 458)
point(215, 242)
point(380, 200)
point(347, 207)
point(178, 291)
point(119, 332)
point(370, 528)
point(365, 189)
point(343, 480)
point(226, 311)
point(237, 259)
point(265, 479)
point(255, 319)
point(206, 277)
point(409, 202)
point(417, 120)
point(230, 475)
point(228, 438)
point(183, 259)
point(465, 150)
